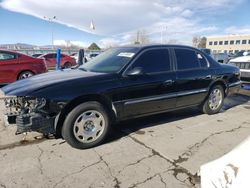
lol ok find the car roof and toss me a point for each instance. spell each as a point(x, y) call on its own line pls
point(14, 52)
point(143, 46)
point(52, 53)
point(11, 51)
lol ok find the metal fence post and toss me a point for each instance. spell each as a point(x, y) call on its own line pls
point(58, 56)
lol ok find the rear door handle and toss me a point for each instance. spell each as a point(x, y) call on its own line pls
point(168, 82)
point(208, 77)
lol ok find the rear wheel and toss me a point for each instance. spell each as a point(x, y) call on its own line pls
point(214, 102)
point(25, 74)
point(67, 65)
point(87, 125)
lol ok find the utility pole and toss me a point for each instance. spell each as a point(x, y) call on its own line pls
point(50, 19)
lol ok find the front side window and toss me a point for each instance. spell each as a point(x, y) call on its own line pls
point(48, 56)
point(110, 61)
point(152, 61)
point(186, 59)
point(7, 56)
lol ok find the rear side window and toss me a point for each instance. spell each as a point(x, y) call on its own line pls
point(7, 56)
point(186, 59)
point(152, 61)
point(202, 60)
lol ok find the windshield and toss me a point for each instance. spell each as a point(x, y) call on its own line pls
point(111, 60)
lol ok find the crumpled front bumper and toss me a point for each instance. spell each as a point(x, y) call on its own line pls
point(38, 121)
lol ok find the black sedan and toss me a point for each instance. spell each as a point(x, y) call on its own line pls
point(81, 104)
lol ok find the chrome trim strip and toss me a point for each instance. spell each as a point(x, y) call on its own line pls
point(164, 96)
point(235, 84)
point(147, 99)
point(180, 94)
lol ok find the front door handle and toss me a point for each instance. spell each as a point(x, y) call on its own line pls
point(168, 82)
point(208, 77)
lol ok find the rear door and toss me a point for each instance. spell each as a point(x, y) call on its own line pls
point(8, 67)
point(193, 76)
point(155, 90)
point(50, 60)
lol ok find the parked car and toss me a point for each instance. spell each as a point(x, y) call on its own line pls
point(16, 66)
point(221, 57)
point(238, 54)
point(121, 83)
point(75, 56)
point(91, 56)
point(65, 60)
point(206, 50)
point(244, 64)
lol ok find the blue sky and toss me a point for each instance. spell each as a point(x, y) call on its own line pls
point(118, 21)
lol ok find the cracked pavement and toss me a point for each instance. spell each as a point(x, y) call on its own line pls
point(164, 150)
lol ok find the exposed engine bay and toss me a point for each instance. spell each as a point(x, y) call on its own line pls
point(32, 114)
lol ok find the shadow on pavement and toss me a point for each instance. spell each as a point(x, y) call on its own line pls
point(125, 128)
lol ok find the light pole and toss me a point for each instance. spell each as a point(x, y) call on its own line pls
point(163, 28)
point(50, 19)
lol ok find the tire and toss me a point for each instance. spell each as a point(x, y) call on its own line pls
point(25, 74)
point(86, 126)
point(214, 101)
point(67, 65)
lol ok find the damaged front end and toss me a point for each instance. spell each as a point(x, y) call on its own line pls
point(32, 114)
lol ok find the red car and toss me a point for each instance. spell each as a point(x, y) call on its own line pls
point(65, 60)
point(15, 66)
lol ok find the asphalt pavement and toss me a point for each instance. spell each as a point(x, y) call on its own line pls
point(163, 150)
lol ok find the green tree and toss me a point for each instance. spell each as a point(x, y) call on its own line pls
point(94, 46)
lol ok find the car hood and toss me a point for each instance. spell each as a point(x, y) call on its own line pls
point(29, 85)
point(241, 59)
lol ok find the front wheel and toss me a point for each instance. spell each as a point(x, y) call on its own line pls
point(25, 74)
point(214, 102)
point(87, 125)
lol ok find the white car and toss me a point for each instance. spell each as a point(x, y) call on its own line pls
point(244, 64)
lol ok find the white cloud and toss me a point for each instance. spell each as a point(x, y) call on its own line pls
point(238, 30)
point(109, 42)
point(118, 21)
point(69, 43)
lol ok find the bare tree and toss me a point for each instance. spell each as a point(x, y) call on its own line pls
point(199, 42)
point(202, 42)
point(196, 41)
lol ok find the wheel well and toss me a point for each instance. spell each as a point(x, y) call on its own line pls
point(67, 62)
point(22, 72)
point(72, 104)
point(221, 83)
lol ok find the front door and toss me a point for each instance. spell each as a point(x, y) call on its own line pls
point(8, 66)
point(153, 91)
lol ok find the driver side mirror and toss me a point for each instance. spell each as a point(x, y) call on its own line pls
point(135, 72)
